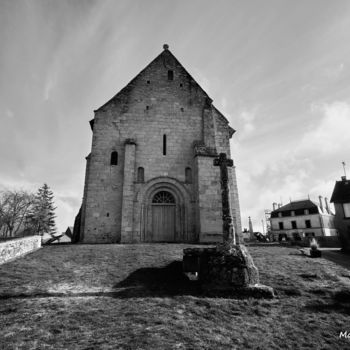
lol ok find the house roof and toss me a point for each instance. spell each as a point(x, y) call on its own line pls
point(164, 56)
point(69, 231)
point(302, 204)
point(341, 191)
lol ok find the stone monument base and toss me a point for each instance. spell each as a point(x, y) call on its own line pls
point(225, 269)
point(315, 253)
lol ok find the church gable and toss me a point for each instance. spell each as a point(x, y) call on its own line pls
point(165, 68)
point(156, 138)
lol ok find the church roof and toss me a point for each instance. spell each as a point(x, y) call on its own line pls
point(164, 55)
point(341, 191)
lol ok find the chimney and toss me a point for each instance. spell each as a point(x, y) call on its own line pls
point(343, 178)
point(327, 206)
point(274, 206)
point(321, 203)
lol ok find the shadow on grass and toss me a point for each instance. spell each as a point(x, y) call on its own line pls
point(144, 282)
point(339, 304)
point(329, 308)
point(157, 282)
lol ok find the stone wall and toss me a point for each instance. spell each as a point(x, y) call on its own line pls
point(209, 222)
point(15, 248)
point(322, 241)
point(149, 107)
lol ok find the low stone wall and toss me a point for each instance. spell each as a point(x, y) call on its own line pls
point(10, 250)
point(323, 241)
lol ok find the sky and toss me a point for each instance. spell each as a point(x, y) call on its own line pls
point(279, 70)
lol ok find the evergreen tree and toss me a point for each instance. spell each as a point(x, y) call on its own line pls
point(41, 218)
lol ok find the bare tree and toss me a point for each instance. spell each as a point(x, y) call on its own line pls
point(14, 206)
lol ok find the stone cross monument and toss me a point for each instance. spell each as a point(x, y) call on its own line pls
point(227, 268)
point(229, 235)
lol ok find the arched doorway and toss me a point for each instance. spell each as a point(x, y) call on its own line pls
point(183, 208)
point(163, 217)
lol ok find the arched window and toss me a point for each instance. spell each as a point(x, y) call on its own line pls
point(188, 175)
point(140, 174)
point(163, 197)
point(114, 158)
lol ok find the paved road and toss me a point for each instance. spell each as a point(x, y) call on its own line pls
point(338, 257)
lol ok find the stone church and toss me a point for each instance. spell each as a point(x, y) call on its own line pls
point(150, 175)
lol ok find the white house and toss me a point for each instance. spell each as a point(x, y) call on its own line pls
point(303, 218)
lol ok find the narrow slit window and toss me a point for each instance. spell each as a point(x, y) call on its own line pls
point(114, 158)
point(164, 145)
point(140, 174)
point(170, 75)
point(188, 175)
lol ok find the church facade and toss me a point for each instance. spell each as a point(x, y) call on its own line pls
point(150, 175)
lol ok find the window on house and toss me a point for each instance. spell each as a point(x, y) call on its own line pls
point(296, 236)
point(309, 234)
point(279, 214)
point(280, 225)
point(164, 145)
point(292, 213)
point(308, 223)
point(114, 158)
point(346, 207)
point(294, 224)
point(140, 174)
point(306, 211)
point(170, 75)
point(188, 175)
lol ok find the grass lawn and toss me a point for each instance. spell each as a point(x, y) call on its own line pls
point(135, 297)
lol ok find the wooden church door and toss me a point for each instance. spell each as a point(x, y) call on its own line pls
point(163, 217)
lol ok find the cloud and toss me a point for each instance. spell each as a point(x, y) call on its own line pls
point(202, 80)
point(246, 123)
point(335, 71)
point(328, 132)
point(248, 118)
point(13, 182)
point(65, 214)
point(9, 113)
point(298, 167)
point(50, 84)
